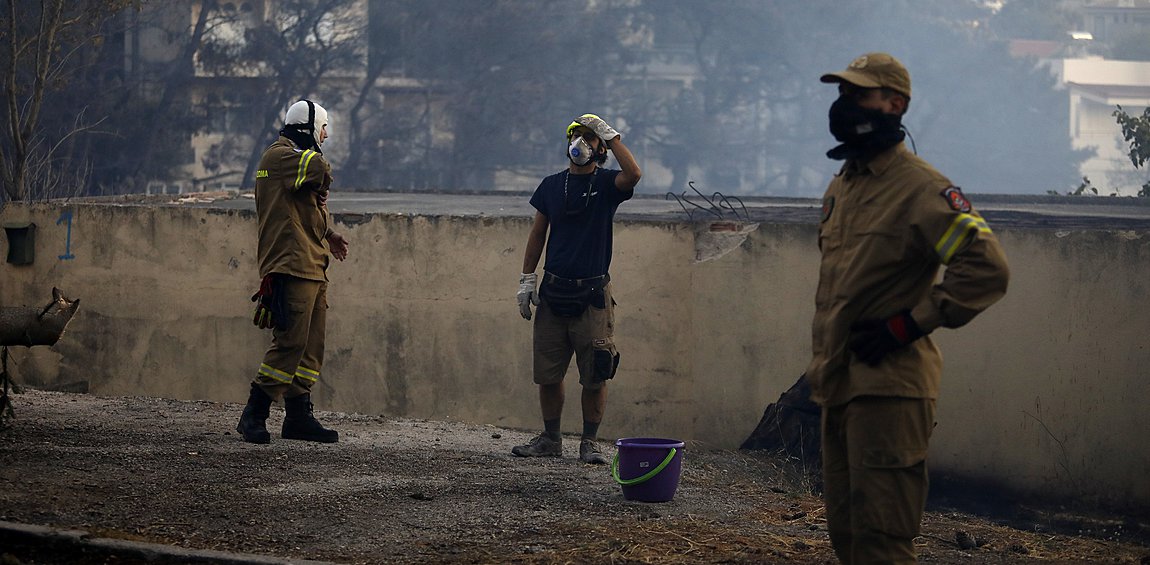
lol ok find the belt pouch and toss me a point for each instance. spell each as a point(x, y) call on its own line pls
point(567, 299)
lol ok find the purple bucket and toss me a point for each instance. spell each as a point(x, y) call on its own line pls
point(648, 468)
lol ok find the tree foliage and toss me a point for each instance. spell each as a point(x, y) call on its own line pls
point(86, 111)
point(501, 79)
point(1033, 19)
point(286, 55)
point(45, 46)
point(755, 121)
point(472, 95)
point(1136, 132)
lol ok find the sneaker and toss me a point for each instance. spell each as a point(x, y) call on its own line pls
point(540, 446)
point(589, 452)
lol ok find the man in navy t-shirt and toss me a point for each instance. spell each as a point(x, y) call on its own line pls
point(575, 315)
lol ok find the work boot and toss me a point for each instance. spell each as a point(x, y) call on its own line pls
point(300, 424)
point(540, 446)
point(253, 422)
point(589, 452)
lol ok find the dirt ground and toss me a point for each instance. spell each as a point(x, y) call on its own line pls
point(411, 491)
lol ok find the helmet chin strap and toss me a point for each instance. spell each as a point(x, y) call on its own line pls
point(311, 121)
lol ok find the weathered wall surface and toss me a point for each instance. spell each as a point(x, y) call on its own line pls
point(1045, 392)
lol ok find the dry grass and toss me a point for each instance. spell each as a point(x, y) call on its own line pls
point(102, 465)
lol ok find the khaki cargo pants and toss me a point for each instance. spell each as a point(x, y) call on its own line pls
point(590, 337)
point(875, 476)
point(292, 364)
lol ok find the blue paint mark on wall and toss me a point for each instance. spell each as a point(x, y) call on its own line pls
point(66, 216)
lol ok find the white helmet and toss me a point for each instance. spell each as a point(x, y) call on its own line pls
point(309, 114)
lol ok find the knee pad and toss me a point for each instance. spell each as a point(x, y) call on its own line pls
point(605, 361)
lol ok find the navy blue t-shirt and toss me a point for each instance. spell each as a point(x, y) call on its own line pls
point(579, 245)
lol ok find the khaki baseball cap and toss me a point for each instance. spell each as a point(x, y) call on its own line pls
point(874, 70)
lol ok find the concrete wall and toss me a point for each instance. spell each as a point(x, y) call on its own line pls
point(1045, 392)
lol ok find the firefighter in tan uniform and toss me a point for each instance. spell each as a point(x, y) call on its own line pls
point(295, 233)
point(890, 221)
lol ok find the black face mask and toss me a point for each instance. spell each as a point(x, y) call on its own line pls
point(301, 135)
point(863, 132)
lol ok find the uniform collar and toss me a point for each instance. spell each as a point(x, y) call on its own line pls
point(878, 164)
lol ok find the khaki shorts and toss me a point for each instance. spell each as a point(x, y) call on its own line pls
point(557, 338)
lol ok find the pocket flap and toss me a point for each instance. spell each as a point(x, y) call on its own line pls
point(893, 458)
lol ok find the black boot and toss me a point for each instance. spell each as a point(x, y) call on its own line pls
point(253, 422)
point(300, 424)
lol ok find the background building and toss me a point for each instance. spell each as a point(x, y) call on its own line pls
point(440, 95)
point(1096, 87)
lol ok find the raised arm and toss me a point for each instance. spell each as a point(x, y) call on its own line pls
point(630, 174)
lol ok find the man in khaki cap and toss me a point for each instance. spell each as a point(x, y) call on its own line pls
point(890, 222)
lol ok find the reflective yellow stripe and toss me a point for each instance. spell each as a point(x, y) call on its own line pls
point(956, 235)
point(307, 374)
point(304, 160)
point(273, 373)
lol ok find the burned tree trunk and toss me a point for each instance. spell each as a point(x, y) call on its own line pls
point(791, 426)
point(29, 326)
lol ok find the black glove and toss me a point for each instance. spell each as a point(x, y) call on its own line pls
point(871, 340)
point(271, 306)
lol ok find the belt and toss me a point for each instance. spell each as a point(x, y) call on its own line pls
point(593, 281)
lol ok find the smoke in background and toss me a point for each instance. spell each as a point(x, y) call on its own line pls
point(474, 95)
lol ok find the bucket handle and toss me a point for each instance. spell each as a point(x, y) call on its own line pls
point(650, 474)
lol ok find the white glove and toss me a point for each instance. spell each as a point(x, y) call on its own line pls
point(604, 131)
point(527, 295)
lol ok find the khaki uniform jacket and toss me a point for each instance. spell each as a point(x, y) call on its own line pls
point(293, 228)
point(887, 227)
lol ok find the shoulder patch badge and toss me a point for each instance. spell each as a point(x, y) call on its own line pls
point(828, 207)
point(956, 199)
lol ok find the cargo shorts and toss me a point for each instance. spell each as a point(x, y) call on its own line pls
point(589, 336)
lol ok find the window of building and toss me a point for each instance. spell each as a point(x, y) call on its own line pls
point(385, 36)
